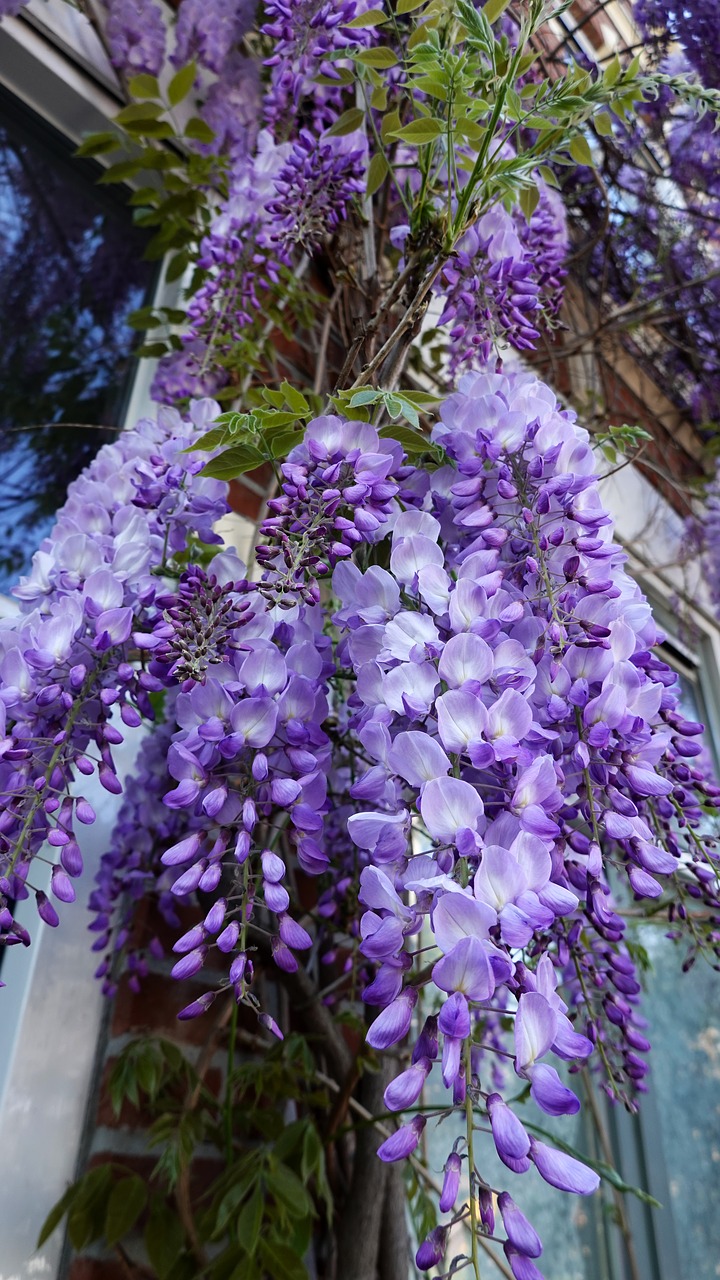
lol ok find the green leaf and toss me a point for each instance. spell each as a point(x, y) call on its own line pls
point(379, 98)
point(144, 86)
point(198, 130)
point(418, 132)
point(210, 440)
point(378, 169)
point(152, 350)
point(612, 72)
point(150, 129)
point(177, 266)
point(413, 442)
point(287, 1187)
point(372, 18)
point(181, 84)
point(494, 8)
point(138, 111)
point(528, 199)
point(603, 124)
point(366, 395)
point(57, 1213)
point(281, 1262)
point(409, 6)
point(390, 123)
point(380, 57)
point(421, 399)
point(250, 1221)
point(580, 151)
point(164, 1238)
point(294, 398)
point(348, 122)
point(127, 1201)
point(233, 462)
point(97, 144)
point(87, 1214)
point(119, 172)
point(281, 445)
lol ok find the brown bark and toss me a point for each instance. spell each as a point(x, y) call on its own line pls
point(360, 1226)
point(394, 1257)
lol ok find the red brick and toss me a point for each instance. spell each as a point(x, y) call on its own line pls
point(96, 1269)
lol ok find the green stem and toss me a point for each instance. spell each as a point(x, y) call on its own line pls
point(469, 1134)
point(227, 1107)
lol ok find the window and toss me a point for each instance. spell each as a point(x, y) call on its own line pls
point(72, 270)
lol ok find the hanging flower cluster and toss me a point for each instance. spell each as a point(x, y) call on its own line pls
point(505, 274)
point(463, 747)
point(66, 666)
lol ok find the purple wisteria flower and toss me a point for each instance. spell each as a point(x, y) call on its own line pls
point(136, 36)
point(505, 276)
point(209, 30)
point(66, 669)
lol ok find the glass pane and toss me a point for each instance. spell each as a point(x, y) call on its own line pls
point(71, 268)
point(683, 1011)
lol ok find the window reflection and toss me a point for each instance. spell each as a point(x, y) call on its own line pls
point(72, 269)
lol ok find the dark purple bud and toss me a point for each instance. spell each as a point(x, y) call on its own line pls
point(273, 867)
point(184, 851)
point(190, 964)
point(71, 858)
point(432, 1250)
point(403, 1142)
point(406, 1088)
point(84, 812)
point(62, 886)
point(293, 934)
point(451, 1182)
point(109, 780)
point(393, 1023)
point(520, 1233)
point(270, 1025)
point(283, 956)
point(563, 1171)
point(201, 1005)
point(214, 919)
point(227, 940)
point(509, 1135)
point(46, 910)
point(487, 1210)
point(426, 1045)
point(521, 1266)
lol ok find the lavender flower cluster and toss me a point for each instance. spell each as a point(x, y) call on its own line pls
point(66, 662)
point(459, 749)
point(506, 273)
